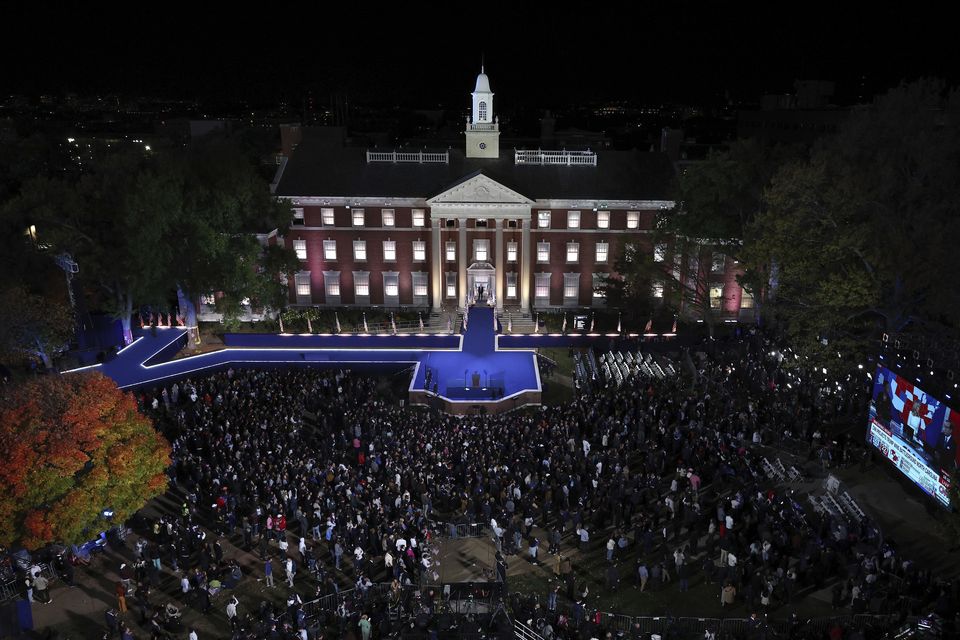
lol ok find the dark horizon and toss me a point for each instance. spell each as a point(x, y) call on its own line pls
point(702, 56)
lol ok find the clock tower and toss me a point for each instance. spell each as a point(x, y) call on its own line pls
point(483, 129)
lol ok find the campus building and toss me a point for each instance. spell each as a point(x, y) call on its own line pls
point(527, 229)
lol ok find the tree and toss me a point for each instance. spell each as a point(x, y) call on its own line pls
point(142, 226)
point(718, 200)
point(74, 446)
point(215, 203)
point(33, 325)
point(628, 287)
point(117, 247)
point(672, 281)
point(856, 236)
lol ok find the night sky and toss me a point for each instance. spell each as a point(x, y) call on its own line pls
point(428, 54)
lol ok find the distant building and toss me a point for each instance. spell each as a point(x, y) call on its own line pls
point(531, 228)
point(800, 117)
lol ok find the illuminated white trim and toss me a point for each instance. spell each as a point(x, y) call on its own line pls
point(130, 345)
point(89, 366)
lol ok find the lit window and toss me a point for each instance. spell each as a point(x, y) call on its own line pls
point(208, 299)
point(298, 213)
point(573, 251)
point(302, 282)
point(716, 295)
point(719, 262)
point(389, 217)
point(746, 299)
point(419, 218)
point(451, 251)
point(359, 249)
point(657, 289)
point(482, 111)
point(512, 285)
point(419, 284)
point(543, 219)
point(603, 248)
point(326, 215)
point(629, 252)
point(541, 289)
point(573, 219)
point(451, 285)
point(571, 287)
point(480, 248)
point(511, 252)
point(603, 219)
point(329, 249)
point(331, 280)
point(361, 283)
point(419, 250)
point(633, 219)
point(659, 252)
point(543, 252)
point(391, 284)
point(389, 250)
point(300, 246)
point(358, 217)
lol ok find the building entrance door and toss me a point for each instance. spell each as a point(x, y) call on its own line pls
point(481, 284)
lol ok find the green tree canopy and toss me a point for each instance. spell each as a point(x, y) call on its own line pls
point(859, 236)
point(142, 225)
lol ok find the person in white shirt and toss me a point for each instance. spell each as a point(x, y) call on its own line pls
point(290, 572)
point(232, 611)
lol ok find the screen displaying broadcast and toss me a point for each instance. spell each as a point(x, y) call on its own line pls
point(914, 431)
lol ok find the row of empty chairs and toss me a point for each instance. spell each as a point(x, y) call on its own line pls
point(619, 366)
point(777, 471)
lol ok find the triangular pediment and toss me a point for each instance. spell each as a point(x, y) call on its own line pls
point(479, 189)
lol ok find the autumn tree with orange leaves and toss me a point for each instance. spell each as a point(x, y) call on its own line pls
point(73, 446)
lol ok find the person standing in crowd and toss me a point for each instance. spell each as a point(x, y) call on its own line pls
point(268, 572)
point(121, 592)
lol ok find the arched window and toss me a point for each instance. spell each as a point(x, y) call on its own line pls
point(482, 111)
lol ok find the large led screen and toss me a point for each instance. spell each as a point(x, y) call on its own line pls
point(914, 431)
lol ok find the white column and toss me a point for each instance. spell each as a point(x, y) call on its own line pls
point(462, 260)
point(525, 277)
point(436, 268)
point(499, 275)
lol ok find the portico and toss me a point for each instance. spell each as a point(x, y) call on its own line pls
point(476, 204)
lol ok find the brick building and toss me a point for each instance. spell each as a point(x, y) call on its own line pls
point(535, 229)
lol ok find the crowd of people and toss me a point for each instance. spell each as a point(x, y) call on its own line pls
point(332, 488)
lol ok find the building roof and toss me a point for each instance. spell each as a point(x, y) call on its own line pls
point(483, 83)
point(320, 167)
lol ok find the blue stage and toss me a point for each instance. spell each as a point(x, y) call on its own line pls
point(479, 370)
point(463, 369)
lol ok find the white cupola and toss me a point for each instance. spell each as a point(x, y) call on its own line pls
point(483, 129)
